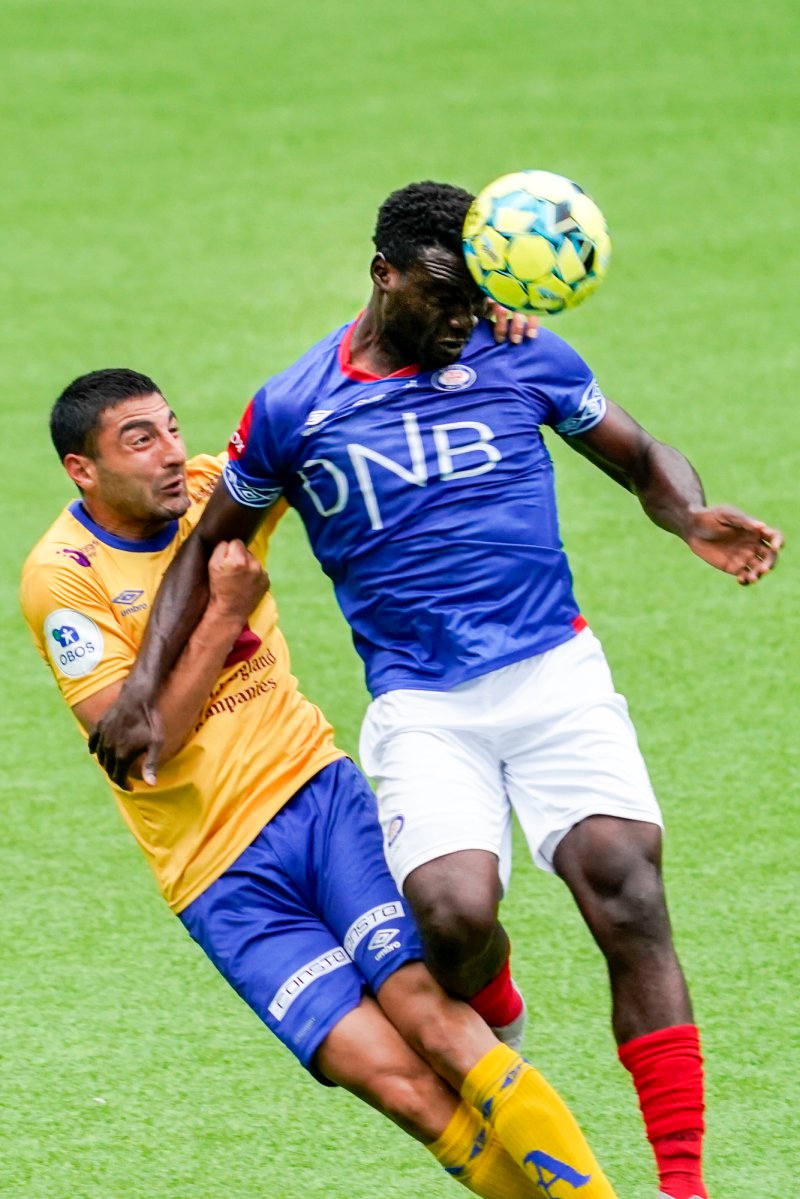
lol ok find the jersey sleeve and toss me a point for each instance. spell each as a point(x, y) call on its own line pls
point(251, 473)
point(560, 377)
point(75, 629)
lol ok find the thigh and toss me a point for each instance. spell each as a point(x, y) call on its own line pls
point(571, 751)
point(256, 925)
point(349, 883)
point(439, 783)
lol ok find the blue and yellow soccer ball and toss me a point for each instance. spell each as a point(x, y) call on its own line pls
point(535, 242)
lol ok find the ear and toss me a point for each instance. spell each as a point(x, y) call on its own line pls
point(382, 272)
point(81, 470)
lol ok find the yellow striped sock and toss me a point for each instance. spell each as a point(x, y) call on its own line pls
point(472, 1153)
point(535, 1126)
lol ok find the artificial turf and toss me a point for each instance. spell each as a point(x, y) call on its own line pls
point(189, 190)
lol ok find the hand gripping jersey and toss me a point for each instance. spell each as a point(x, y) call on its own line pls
point(86, 596)
point(428, 498)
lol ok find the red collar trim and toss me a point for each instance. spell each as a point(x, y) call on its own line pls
point(354, 372)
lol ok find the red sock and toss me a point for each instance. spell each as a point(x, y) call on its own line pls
point(499, 1002)
point(667, 1071)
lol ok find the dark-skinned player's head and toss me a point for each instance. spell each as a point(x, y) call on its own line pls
point(425, 298)
point(421, 216)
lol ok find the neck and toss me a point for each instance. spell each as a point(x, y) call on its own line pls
point(373, 350)
point(119, 524)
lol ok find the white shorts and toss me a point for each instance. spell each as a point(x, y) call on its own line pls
point(548, 737)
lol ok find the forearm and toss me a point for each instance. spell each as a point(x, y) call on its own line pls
point(177, 611)
point(668, 488)
point(671, 494)
point(183, 696)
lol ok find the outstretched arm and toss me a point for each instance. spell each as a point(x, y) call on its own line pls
point(671, 494)
point(132, 726)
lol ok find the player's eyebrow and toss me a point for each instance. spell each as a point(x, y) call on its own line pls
point(144, 422)
point(137, 423)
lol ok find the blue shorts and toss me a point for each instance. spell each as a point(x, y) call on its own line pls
point(309, 915)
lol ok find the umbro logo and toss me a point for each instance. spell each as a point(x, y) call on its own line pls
point(130, 601)
point(382, 937)
point(127, 597)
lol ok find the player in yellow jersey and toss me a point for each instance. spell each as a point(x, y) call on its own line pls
point(263, 837)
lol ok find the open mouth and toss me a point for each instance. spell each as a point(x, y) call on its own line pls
point(175, 488)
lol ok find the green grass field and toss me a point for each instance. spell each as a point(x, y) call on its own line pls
point(189, 190)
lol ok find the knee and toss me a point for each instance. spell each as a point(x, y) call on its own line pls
point(409, 1098)
point(636, 906)
point(458, 926)
point(614, 872)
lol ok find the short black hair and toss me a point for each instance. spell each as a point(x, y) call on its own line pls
point(76, 413)
point(418, 217)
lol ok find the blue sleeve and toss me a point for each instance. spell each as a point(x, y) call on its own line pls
point(251, 473)
point(560, 379)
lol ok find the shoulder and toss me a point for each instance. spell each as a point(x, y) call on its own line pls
point(203, 472)
point(547, 354)
point(273, 421)
point(59, 570)
point(66, 547)
point(555, 349)
point(304, 376)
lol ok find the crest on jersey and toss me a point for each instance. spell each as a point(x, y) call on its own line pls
point(394, 829)
point(453, 378)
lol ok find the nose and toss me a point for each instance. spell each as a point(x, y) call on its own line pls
point(174, 450)
point(463, 321)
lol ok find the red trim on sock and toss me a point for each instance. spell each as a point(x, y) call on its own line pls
point(667, 1071)
point(499, 1002)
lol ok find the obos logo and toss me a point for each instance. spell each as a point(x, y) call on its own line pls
point(74, 642)
point(454, 378)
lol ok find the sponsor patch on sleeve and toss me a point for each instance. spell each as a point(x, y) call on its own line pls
point(74, 642)
point(590, 412)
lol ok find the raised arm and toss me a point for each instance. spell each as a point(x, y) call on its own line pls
point(670, 492)
point(132, 726)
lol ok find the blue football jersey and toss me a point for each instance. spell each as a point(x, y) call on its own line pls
point(428, 498)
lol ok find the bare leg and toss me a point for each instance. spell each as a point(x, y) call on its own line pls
point(444, 1031)
point(455, 900)
point(613, 869)
point(366, 1055)
point(534, 1125)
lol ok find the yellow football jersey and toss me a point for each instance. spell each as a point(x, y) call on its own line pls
point(86, 596)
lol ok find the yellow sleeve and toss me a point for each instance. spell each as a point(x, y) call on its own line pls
point(260, 543)
point(75, 628)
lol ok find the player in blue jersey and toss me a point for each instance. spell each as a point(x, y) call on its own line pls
point(410, 443)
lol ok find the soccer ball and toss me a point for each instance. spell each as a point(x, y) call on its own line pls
point(535, 242)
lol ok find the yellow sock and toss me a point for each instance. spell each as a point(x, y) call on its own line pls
point(473, 1154)
point(535, 1126)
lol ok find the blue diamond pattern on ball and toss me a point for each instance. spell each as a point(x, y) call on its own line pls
point(536, 242)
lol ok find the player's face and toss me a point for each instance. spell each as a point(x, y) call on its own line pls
point(431, 309)
point(139, 466)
